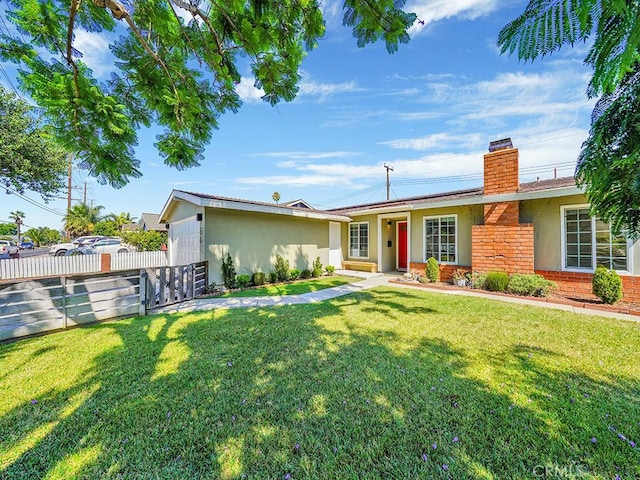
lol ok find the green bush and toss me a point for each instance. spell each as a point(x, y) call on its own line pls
point(607, 285)
point(243, 280)
point(330, 269)
point(281, 268)
point(433, 270)
point(317, 268)
point(228, 272)
point(497, 281)
point(294, 273)
point(145, 240)
point(478, 280)
point(530, 284)
point(306, 273)
point(273, 278)
point(258, 278)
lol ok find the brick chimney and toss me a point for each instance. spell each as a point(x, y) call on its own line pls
point(501, 176)
point(502, 243)
point(501, 168)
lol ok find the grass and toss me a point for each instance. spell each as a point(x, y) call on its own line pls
point(294, 288)
point(381, 384)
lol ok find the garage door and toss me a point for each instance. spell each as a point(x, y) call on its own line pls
point(185, 241)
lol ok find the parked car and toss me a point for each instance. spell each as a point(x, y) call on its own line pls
point(110, 245)
point(61, 249)
point(25, 245)
point(8, 249)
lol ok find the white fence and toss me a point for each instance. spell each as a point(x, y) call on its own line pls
point(47, 266)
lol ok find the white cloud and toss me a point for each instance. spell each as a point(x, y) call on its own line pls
point(248, 92)
point(431, 11)
point(322, 91)
point(307, 88)
point(436, 141)
point(95, 51)
point(306, 155)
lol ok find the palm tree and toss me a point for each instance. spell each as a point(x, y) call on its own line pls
point(609, 164)
point(17, 218)
point(122, 219)
point(276, 197)
point(81, 219)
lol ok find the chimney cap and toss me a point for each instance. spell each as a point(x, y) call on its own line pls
point(500, 144)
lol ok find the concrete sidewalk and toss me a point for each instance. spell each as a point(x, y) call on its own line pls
point(368, 280)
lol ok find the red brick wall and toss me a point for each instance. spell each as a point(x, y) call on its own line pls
point(446, 271)
point(580, 284)
point(505, 213)
point(105, 262)
point(501, 172)
point(506, 248)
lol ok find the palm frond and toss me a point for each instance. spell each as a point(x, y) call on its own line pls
point(546, 25)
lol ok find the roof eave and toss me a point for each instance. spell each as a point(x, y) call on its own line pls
point(474, 200)
point(250, 207)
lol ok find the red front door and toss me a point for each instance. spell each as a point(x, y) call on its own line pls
point(402, 245)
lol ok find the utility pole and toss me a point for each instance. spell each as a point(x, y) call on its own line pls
point(388, 183)
point(84, 198)
point(69, 185)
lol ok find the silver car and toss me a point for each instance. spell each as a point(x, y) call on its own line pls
point(110, 245)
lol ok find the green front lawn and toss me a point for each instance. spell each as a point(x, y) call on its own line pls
point(386, 383)
point(294, 288)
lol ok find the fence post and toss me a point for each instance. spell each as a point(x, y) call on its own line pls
point(63, 284)
point(142, 310)
point(105, 262)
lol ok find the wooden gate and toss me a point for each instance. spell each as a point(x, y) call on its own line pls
point(168, 285)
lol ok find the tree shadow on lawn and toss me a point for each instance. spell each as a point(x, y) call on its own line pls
point(340, 389)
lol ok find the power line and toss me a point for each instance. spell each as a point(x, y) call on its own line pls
point(33, 202)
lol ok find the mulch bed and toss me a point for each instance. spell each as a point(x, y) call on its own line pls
point(556, 297)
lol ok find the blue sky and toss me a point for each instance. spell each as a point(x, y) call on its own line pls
point(429, 111)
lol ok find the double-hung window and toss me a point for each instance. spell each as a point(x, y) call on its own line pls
point(440, 238)
point(589, 243)
point(359, 240)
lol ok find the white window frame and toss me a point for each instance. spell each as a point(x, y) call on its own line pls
point(563, 246)
point(424, 237)
point(368, 240)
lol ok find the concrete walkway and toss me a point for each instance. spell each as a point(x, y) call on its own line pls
point(368, 280)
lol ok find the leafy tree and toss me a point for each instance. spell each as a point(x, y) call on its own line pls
point(17, 216)
point(609, 163)
point(108, 228)
point(8, 229)
point(82, 219)
point(179, 74)
point(29, 158)
point(44, 235)
point(145, 240)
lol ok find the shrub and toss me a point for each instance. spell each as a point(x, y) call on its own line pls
point(228, 272)
point(273, 278)
point(306, 273)
point(211, 288)
point(433, 270)
point(145, 240)
point(607, 285)
point(330, 269)
point(258, 278)
point(497, 281)
point(243, 280)
point(479, 280)
point(530, 284)
point(317, 268)
point(294, 273)
point(281, 268)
